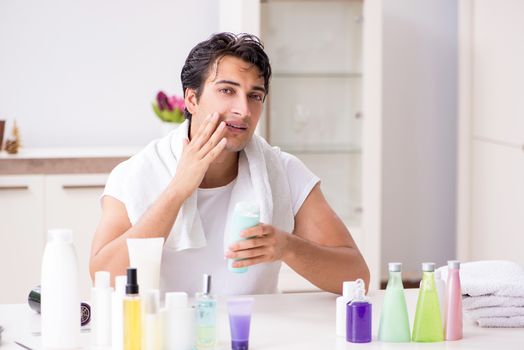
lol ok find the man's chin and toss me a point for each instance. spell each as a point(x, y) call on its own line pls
point(234, 147)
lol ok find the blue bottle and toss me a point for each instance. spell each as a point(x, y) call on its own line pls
point(358, 313)
point(245, 215)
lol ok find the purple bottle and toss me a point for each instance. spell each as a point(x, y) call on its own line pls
point(358, 313)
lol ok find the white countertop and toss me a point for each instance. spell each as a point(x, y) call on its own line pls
point(74, 152)
point(303, 321)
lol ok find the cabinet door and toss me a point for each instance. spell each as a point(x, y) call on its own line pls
point(73, 201)
point(497, 202)
point(21, 235)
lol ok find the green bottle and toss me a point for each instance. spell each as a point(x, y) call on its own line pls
point(428, 324)
point(394, 321)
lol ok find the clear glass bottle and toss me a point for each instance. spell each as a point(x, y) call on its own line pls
point(428, 323)
point(205, 316)
point(394, 320)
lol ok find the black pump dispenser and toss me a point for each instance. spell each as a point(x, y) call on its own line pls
point(132, 284)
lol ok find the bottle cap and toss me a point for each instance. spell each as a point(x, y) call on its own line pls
point(247, 209)
point(132, 284)
point(60, 235)
point(120, 284)
point(176, 300)
point(102, 279)
point(428, 267)
point(206, 285)
point(454, 264)
point(395, 267)
point(348, 288)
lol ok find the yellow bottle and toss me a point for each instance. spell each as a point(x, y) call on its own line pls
point(132, 313)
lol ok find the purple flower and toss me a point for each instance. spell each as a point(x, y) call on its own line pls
point(163, 101)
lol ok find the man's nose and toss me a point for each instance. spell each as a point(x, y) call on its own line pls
point(241, 107)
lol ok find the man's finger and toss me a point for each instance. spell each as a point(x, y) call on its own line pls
point(249, 262)
point(214, 139)
point(206, 130)
point(246, 254)
point(213, 154)
point(248, 244)
point(256, 231)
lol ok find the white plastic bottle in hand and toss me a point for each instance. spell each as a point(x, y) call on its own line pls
point(101, 310)
point(60, 292)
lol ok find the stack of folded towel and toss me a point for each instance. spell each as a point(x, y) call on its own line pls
point(493, 292)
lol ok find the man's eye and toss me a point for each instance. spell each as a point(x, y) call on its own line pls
point(256, 97)
point(226, 91)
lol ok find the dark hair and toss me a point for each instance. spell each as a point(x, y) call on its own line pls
point(199, 61)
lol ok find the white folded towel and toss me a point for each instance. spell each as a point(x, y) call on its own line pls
point(261, 178)
point(484, 312)
point(469, 303)
point(490, 277)
point(502, 322)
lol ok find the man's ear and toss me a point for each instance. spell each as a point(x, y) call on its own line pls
point(190, 100)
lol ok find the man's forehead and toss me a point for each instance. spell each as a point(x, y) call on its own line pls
point(225, 66)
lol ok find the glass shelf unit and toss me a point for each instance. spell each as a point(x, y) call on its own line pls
point(314, 105)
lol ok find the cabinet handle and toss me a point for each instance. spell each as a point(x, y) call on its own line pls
point(82, 187)
point(14, 188)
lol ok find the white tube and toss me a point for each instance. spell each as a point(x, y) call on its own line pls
point(101, 310)
point(117, 311)
point(145, 255)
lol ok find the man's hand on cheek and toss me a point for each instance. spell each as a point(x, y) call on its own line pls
point(205, 146)
point(265, 243)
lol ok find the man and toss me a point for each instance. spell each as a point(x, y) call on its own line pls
point(183, 188)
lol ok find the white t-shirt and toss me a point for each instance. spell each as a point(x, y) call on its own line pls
point(182, 270)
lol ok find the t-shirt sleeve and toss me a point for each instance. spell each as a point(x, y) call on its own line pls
point(301, 180)
point(115, 183)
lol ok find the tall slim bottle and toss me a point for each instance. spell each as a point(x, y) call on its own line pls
point(453, 302)
point(132, 313)
point(205, 317)
point(394, 321)
point(60, 292)
point(101, 310)
point(428, 324)
point(117, 313)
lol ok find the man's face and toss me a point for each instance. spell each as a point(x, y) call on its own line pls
point(234, 89)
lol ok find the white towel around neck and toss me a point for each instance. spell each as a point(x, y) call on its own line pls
point(261, 178)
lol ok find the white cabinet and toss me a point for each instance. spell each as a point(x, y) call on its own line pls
point(497, 202)
point(491, 139)
point(21, 235)
point(29, 206)
point(72, 201)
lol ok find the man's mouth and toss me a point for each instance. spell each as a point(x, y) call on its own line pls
point(236, 127)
